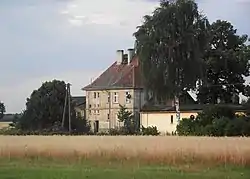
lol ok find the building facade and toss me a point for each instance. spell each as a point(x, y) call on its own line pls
point(164, 117)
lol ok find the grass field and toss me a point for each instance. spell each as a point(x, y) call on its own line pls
point(123, 157)
point(47, 169)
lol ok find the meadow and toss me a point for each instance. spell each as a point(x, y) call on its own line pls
point(124, 157)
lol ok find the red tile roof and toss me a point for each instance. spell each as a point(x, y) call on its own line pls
point(118, 77)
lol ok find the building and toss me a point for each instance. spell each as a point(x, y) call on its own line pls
point(164, 117)
point(6, 120)
point(80, 105)
point(120, 84)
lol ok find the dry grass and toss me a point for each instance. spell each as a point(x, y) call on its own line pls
point(160, 149)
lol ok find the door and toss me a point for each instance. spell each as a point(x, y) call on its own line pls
point(96, 127)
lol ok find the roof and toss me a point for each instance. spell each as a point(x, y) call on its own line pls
point(118, 77)
point(79, 100)
point(8, 118)
point(189, 107)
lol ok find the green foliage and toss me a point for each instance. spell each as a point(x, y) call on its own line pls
point(170, 43)
point(186, 127)
point(2, 110)
point(128, 119)
point(150, 131)
point(210, 113)
point(215, 121)
point(44, 108)
point(81, 125)
point(227, 62)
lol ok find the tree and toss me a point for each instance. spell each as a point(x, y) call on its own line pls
point(127, 117)
point(216, 121)
point(170, 43)
point(2, 110)
point(226, 64)
point(44, 108)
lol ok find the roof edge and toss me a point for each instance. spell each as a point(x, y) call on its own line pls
point(110, 88)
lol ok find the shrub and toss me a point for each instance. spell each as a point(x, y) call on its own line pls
point(150, 131)
point(215, 121)
point(186, 127)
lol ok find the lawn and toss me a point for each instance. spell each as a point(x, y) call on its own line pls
point(46, 169)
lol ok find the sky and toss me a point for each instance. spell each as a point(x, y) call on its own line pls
point(76, 40)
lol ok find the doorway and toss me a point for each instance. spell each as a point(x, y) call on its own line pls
point(96, 126)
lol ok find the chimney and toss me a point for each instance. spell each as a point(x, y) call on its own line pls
point(130, 54)
point(119, 57)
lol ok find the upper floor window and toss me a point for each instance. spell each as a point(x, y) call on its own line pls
point(172, 119)
point(127, 97)
point(115, 100)
point(98, 95)
point(94, 95)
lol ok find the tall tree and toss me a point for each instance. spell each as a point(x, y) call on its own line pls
point(2, 110)
point(44, 108)
point(170, 44)
point(226, 64)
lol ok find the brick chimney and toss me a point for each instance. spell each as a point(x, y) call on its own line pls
point(119, 56)
point(131, 53)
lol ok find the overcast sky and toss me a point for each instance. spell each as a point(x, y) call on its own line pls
point(75, 40)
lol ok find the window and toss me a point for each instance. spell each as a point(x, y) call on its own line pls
point(98, 105)
point(108, 116)
point(94, 95)
point(98, 112)
point(172, 119)
point(115, 97)
point(98, 95)
point(90, 106)
point(127, 97)
point(78, 114)
point(89, 112)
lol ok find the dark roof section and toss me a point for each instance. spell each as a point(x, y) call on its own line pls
point(79, 100)
point(190, 107)
point(118, 77)
point(8, 118)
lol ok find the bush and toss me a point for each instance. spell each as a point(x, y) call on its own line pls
point(215, 121)
point(186, 127)
point(150, 131)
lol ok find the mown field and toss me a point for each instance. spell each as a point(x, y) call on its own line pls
point(123, 157)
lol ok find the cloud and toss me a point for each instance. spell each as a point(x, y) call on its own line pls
point(114, 13)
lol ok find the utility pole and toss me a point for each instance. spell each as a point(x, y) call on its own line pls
point(64, 107)
point(67, 99)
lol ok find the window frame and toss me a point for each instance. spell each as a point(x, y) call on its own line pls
point(127, 101)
